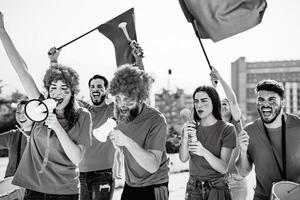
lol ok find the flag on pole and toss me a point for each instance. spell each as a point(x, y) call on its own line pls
point(121, 44)
point(220, 19)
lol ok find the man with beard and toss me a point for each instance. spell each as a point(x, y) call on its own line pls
point(141, 134)
point(96, 167)
point(262, 142)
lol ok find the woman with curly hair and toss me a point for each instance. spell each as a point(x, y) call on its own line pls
point(49, 166)
point(207, 142)
point(141, 134)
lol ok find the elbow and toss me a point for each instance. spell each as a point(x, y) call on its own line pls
point(183, 158)
point(224, 169)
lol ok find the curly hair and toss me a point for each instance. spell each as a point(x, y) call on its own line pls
point(131, 82)
point(70, 77)
point(66, 74)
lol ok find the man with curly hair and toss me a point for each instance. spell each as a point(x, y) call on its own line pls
point(141, 134)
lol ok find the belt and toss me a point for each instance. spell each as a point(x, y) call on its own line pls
point(102, 172)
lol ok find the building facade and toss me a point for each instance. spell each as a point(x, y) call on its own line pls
point(170, 104)
point(245, 76)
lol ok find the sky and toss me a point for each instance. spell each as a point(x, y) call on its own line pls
point(167, 39)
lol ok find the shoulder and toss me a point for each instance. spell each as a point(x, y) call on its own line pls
point(253, 125)
point(83, 113)
point(293, 118)
point(155, 115)
point(225, 125)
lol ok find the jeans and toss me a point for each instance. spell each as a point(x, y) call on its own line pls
point(238, 187)
point(33, 195)
point(96, 185)
point(215, 189)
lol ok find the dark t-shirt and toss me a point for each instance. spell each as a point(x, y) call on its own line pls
point(213, 138)
point(10, 140)
point(60, 175)
point(261, 155)
point(149, 130)
point(100, 155)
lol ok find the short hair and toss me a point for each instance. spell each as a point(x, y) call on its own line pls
point(270, 85)
point(97, 76)
point(66, 74)
point(215, 99)
point(131, 82)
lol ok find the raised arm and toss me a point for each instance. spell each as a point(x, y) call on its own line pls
point(18, 63)
point(53, 54)
point(234, 107)
point(243, 165)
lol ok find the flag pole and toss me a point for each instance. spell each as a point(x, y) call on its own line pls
point(198, 36)
point(77, 38)
point(214, 82)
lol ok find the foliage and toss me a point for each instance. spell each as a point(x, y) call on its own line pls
point(173, 139)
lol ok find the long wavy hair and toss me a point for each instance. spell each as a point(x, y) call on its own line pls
point(71, 78)
point(215, 99)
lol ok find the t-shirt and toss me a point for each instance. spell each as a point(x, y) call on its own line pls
point(60, 175)
point(261, 155)
point(149, 130)
point(213, 138)
point(100, 155)
point(10, 140)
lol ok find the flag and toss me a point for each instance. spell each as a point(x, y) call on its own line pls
point(220, 19)
point(112, 31)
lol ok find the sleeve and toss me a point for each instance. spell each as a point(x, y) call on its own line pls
point(85, 128)
point(157, 135)
point(6, 139)
point(229, 137)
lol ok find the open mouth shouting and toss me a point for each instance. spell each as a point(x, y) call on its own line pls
point(199, 111)
point(22, 121)
point(96, 96)
point(123, 111)
point(58, 100)
point(266, 111)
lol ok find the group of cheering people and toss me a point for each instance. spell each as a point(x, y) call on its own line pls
point(74, 165)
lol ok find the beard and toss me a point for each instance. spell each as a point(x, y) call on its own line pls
point(276, 113)
point(129, 116)
point(97, 103)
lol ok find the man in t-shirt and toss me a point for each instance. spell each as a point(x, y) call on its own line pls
point(141, 134)
point(261, 143)
point(96, 175)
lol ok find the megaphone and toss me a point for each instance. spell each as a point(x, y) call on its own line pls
point(103, 131)
point(37, 110)
point(186, 114)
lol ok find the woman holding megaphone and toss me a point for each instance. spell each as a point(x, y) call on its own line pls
point(49, 166)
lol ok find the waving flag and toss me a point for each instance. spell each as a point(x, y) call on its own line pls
point(220, 19)
point(113, 32)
